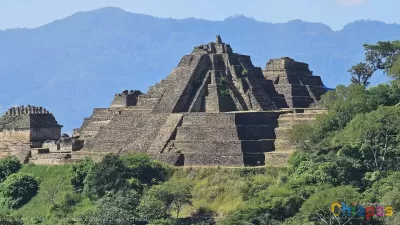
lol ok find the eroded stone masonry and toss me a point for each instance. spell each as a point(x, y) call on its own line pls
point(215, 108)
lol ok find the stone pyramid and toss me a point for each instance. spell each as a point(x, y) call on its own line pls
point(215, 108)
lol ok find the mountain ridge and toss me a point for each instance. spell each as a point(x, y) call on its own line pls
point(233, 17)
point(75, 64)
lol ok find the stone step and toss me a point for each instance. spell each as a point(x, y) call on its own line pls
point(277, 158)
point(51, 156)
point(225, 133)
point(282, 133)
point(222, 147)
point(256, 118)
point(196, 159)
point(204, 119)
point(292, 90)
point(298, 115)
point(288, 122)
point(282, 145)
point(51, 161)
point(175, 159)
point(145, 101)
point(165, 133)
point(242, 118)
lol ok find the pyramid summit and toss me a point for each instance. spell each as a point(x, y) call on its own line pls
point(214, 108)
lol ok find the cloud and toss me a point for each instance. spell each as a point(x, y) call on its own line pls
point(350, 2)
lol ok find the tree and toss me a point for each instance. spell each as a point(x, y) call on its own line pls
point(78, 173)
point(151, 208)
point(317, 207)
point(8, 166)
point(65, 207)
point(377, 137)
point(17, 190)
point(146, 170)
point(110, 175)
point(382, 55)
point(116, 209)
point(9, 220)
point(269, 207)
point(361, 73)
point(174, 194)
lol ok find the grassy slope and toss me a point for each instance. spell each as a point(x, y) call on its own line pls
point(217, 189)
point(54, 183)
point(222, 190)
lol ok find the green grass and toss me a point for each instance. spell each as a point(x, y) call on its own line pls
point(54, 184)
point(222, 190)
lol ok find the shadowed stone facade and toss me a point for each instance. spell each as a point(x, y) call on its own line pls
point(215, 108)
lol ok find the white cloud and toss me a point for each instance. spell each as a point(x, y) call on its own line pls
point(350, 2)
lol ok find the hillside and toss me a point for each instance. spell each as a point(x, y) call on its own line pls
point(211, 191)
point(75, 64)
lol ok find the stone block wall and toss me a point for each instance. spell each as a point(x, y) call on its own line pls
point(11, 136)
point(126, 98)
point(43, 134)
point(227, 139)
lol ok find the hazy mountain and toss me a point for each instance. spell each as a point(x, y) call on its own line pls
point(78, 63)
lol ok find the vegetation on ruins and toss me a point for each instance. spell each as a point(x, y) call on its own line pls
point(223, 88)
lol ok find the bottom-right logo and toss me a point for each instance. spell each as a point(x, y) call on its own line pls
point(361, 211)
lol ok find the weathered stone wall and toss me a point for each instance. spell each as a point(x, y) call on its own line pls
point(287, 63)
point(15, 136)
point(91, 126)
point(43, 134)
point(176, 98)
point(126, 98)
point(130, 131)
point(229, 139)
point(11, 122)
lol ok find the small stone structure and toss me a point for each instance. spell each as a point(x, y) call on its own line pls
point(23, 128)
point(126, 98)
point(215, 108)
point(294, 84)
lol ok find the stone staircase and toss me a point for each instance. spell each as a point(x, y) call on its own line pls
point(43, 156)
point(225, 139)
point(92, 125)
point(283, 147)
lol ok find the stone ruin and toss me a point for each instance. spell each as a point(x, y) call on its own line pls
point(214, 109)
point(30, 132)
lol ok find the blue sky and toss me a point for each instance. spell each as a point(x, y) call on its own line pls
point(335, 13)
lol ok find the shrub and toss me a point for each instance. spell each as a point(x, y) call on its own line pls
point(173, 194)
point(17, 190)
point(162, 222)
point(110, 175)
point(8, 166)
point(146, 170)
point(115, 208)
point(79, 172)
point(65, 207)
point(9, 220)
